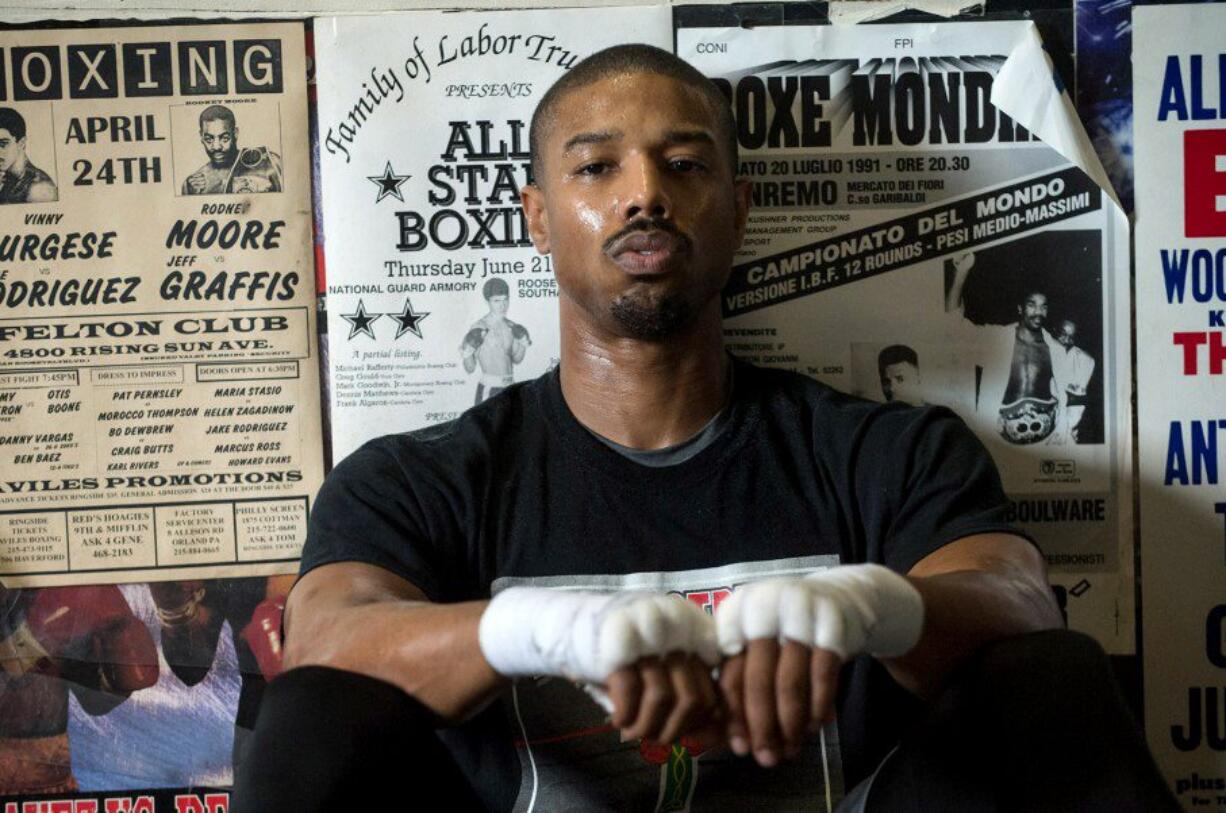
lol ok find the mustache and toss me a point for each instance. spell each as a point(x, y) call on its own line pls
point(650, 224)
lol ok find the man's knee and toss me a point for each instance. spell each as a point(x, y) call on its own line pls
point(325, 737)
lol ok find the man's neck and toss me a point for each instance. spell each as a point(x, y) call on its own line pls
point(645, 395)
point(18, 167)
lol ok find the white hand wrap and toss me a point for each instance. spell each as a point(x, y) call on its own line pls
point(588, 636)
point(846, 610)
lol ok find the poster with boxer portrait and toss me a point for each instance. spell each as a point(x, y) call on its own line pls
point(436, 299)
point(1179, 105)
point(159, 389)
point(930, 225)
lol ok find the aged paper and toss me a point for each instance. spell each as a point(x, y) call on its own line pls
point(159, 397)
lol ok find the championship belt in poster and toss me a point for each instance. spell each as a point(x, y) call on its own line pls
point(159, 386)
point(1179, 108)
point(930, 225)
point(436, 298)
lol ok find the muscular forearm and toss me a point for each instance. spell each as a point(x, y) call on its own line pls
point(967, 608)
point(385, 628)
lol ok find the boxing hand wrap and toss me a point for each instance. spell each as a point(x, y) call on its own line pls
point(846, 610)
point(588, 636)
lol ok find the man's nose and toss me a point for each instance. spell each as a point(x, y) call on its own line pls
point(645, 194)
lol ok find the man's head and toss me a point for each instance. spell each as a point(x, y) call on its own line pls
point(497, 294)
point(12, 139)
point(1033, 310)
point(1068, 333)
point(898, 368)
point(219, 135)
point(635, 192)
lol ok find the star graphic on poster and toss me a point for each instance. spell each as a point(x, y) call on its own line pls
point(389, 183)
point(409, 320)
point(360, 321)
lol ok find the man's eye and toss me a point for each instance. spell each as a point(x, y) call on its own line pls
point(593, 168)
point(685, 165)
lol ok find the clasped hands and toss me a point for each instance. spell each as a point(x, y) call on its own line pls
point(777, 644)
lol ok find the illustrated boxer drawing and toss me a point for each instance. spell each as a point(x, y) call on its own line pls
point(231, 169)
point(494, 343)
point(52, 641)
point(191, 614)
point(1026, 371)
point(20, 180)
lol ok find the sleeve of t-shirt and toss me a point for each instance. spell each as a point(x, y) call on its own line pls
point(933, 483)
point(369, 510)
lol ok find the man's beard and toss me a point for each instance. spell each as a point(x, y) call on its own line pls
point(647, 317)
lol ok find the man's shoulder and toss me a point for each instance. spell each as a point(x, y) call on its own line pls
point(510, 418)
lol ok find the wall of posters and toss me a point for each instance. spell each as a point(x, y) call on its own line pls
point(436, 299)
point(1179, 103)
point(159, 406)
point(931, 225)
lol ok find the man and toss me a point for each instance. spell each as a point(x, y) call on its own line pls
point(647, 463)
point(1080, 369)
point(20, 180)
point(52, 640)
point(494, 342)
point(1024, 368)
point(230, 168)
point(191, 615)
point(898, 369)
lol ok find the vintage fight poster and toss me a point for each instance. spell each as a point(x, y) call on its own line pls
point(159, 392)
point(930, 225)
point(436, 299)
point(1179, 104)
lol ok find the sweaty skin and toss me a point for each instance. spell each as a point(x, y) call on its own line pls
point(641, 210)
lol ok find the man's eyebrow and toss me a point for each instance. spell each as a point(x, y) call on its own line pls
point(598, 137)
point(689, 137)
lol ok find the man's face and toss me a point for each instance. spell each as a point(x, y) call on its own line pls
point(11, 150)
point(499, 304)
point(637, 204)
point(1068, 334)
point(1034, 311)
point(901, 382)
point(220, 141)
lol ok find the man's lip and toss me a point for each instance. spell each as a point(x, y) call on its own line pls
point(645, 253)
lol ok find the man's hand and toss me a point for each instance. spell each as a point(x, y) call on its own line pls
point(787, 638)
point(196, 183)
point(659, 699)
point(653, 653)
point(963, 262)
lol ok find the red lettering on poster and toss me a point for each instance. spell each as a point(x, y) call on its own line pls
point(1204, 183)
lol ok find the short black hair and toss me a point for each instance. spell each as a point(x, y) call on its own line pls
point(217, 112)
point(896, 354)
point(13, 121)
point(495, 286)
point(620, 60)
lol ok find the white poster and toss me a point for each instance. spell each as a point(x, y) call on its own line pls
point(436, 299)
point(159, 387)
point(1179, 102)
point(931, 226)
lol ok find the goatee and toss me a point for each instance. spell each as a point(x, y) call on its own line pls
point(650, 318)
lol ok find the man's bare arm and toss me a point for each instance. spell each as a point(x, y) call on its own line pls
point(975, 590)
point(365, 619)
point(962, 269)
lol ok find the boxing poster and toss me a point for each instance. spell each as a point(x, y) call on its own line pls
point(436, 299)
point(930, 225)
point(159, 386)
point(1179, 104)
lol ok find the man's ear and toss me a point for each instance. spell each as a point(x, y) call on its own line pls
point(533, 200)
point(742, 191)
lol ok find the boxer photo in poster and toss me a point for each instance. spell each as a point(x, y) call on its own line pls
point(20, 180)
point(1031, 310)
point(494, 343)
point(232, 168)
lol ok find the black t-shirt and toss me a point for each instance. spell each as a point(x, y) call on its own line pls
point(517, 492)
